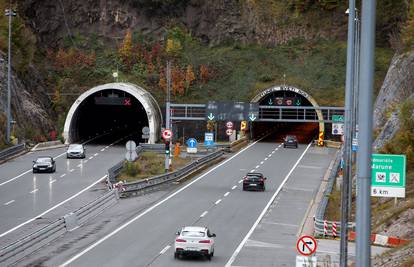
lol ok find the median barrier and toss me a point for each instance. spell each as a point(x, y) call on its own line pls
point(48, 145)
point(28, 244)
point(10, 152)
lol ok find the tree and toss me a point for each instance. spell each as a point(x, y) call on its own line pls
point(173, 47)
point(125, 51)
point(163, 81)
point(204, 73)
point(177, 81)
point(189, 76)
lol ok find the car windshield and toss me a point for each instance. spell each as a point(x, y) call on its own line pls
point(75, 147)
point(43, 160)
point(193, 234)
point(290, 137)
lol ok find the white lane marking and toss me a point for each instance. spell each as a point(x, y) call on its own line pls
point(218, 201)
point(66, 263)
point(261, 162)
point(103, 149)
point(226, 194)
point(63, 175)
point(276, 149)
point(234, 187)
point(253, 170)
point(54, 207)
point(71, 170)
point(269, 155)
point(257, 167)
point(165, 249)
point(240, 181)
point(203, 214)
point(265, 159)
point(280, 145)
point(106, 147)
point(51, 182)
point(26, 172)
point(90, 157)
point(243, 242)
point(85, 161)
point(273, 152)
point(96, 154)
point(8, 203)
point(34, 191)
point(80, 165)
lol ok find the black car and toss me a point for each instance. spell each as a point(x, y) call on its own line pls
point(291, 141)
point(44, 164)
point(254, 181)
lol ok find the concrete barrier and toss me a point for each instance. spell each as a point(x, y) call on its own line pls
point(47, 145)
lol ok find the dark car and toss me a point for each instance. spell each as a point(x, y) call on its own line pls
point(291, 141)
point(254, 181)
point(44, 164)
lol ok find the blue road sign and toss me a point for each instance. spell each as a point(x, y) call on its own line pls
point(208, 139)
point(192, 143)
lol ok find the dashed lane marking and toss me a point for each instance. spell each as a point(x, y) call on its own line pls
point(80, 165)
point(8, 203)
point(72, 170)
point(261, 162)
point(51, 182)
point(96, 154)
point(253, 170)
point(90, 157)
point(165, 249)
point(265, 159)
point(203, 214)
point(240, 181)
point(257, 167)
point(234, 187)
point(63, 175)
point(34, 191)
point(218, 201)
point(103, 149)
point(226, 194)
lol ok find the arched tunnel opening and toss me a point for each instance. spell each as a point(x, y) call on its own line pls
point(108, 115)
point(289, 119)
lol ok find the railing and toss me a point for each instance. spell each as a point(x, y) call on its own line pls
point(12, 151)
point(34, 241)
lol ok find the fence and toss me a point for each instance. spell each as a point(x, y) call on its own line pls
point(12, 151)
point(34, 241)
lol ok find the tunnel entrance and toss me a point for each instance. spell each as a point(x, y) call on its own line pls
point(112, 111)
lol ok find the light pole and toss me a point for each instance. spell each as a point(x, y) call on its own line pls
point(10, 13)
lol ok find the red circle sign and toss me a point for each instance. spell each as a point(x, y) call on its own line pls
point(306, 245)
point(167, 134)
point(229, 124)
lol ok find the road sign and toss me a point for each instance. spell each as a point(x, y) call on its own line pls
point(337, 118)
point(131, 155)
point(230, 111)
point(191, 142)
point(229, 125)
point(388, 175)
point(210, 116)
point(337, 128)
point(302, 261)
point(229, 132)
point(167, 134)
point(146, 130)
point(252, 117)
point(130, 145)
point(306, 245)
point(208, 139)
point(354, 144)
point(243, 125)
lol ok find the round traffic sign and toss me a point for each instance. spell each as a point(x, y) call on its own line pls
point(306, 245)
point(167, 134)
point(130, 145)
point(229, 132)
point(145, 130)
point(229, 125)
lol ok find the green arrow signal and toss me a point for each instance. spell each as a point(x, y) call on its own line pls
point(270, 102)
point(252, 117)
point(210, 116)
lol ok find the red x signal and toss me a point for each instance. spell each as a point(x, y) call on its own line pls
point(127, 102)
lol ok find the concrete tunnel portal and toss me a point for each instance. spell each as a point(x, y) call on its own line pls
point(113, 109)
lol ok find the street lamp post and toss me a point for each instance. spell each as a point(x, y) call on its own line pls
point(10, 13)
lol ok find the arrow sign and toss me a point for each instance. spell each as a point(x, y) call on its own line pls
point(210, 116)
point(192, 142)
point(252, 117)
point(270, 102)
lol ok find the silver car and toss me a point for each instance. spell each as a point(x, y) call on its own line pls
point(75, 151)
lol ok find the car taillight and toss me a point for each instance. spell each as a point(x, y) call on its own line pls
point(204, 241)
point(180, 240)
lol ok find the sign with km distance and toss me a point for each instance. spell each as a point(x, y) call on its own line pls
point(388, 175)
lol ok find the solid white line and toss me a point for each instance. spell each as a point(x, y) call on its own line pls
point(151, 208)
point(240, 181)
point(63, 175)
point(234, 187)
point(51, 182)
point(72, 170)
point(8, 203)
point(165, 249)
point(203, 214)
point(218, 201)
point(54, 207)
point(238, 249)
point(96, 154)
point(26, 172)
point(226, 194)
point(34, 191)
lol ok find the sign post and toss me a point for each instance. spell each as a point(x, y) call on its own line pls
point(388, 175)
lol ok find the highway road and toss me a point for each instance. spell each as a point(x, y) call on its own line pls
point(25, 196)
point(213, 199)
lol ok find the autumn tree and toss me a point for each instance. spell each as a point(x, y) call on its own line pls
point(177, 81)
point(204, 73)
point(189, 76)
point(163, 81)
point(173, 47)
point(125, 51)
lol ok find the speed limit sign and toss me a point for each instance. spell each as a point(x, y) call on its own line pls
point(167, 134)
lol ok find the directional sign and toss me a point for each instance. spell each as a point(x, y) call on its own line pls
point(229, 125)
point(306, 245)
point(337, 118)
point(337, 128)
point(210, 116)
point(243, 125)
point(167, 134)
point(354, 144)
point(252, 117)
point(208, 139)
point(230, 111)
point(191, 142)
point(388, 175)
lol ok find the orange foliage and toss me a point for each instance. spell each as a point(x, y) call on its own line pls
point(189, 76)
point(204, 73)
point(125, 51)
point(163, 81)
point(73, 59)
point(177, 81)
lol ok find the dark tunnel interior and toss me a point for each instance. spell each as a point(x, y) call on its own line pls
point(111, 114)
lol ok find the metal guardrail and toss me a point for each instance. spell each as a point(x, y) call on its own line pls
point(325, 228)
point(152, 183)
point(34, 241)
point(11, 151)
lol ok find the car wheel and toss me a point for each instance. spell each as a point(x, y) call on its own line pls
point(175, 255)
point(34, 171)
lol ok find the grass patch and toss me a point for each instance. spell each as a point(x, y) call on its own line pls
point(148, 164)
point(333, 213)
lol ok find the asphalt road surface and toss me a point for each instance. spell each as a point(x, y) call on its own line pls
point(213, 199)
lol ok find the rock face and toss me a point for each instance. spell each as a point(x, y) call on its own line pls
point(398, 86)
point(213, 22)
